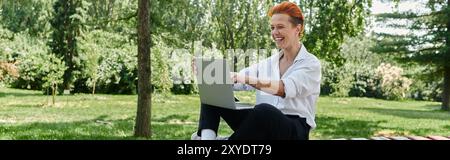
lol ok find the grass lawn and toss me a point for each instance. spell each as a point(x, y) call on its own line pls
point(26, 115)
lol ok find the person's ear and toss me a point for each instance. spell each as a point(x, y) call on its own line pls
point(299, 28)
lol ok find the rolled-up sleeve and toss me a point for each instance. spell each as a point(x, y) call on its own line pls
point(303, 81)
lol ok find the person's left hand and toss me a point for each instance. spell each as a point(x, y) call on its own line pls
point(237, 78)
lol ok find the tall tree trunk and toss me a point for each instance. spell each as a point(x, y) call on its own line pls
point(143, 115)
point(93, 87)
point(68, 59)
point(54, 88)
point(446, 90)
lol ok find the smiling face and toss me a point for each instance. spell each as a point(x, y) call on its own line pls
point(284, 32)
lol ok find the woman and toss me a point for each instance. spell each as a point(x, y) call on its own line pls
point(287, 84)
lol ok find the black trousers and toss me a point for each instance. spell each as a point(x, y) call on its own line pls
point(263, 122)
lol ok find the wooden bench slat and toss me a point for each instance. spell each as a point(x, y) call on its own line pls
point(359, 139)
point(399, 138)
point(379, 138)
point(339, 139)
point(418, 138)
point(438, 138)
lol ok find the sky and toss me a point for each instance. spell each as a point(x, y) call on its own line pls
point(379, 7)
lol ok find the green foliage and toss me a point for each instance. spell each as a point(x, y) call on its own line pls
point(336, 81)
point(235, 23)
point(5, 50)
point(98, 117)
point(425, 87)
point(385, 81)
point(329, 22)
point(53, 72)
point(8, 69)
point(113, 16)
point(108, 60)
point(363, 74)
point(427, 42)
point(352, 78)
point(30, 56)
point(161, 79)
point(97, 40)
point(39, 70)
point(67, 25)
point(31, 16)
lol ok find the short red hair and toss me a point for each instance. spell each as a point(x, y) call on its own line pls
point(290, 9)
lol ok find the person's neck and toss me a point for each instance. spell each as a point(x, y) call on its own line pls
point(291, 52)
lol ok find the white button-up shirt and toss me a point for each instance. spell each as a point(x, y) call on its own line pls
point(301, 84)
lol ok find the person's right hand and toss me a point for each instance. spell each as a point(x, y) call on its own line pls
point(238, 78)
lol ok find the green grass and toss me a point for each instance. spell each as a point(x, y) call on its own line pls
point(27, 115)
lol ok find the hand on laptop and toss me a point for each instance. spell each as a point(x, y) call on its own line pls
point(233, 77)
point(237, 78)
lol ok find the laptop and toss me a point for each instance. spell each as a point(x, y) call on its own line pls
point(215, 86)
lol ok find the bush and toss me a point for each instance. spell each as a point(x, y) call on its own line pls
point(355, 76)
point(35, 69)
point(427, 85)
point(393, 85)
point(109, 63)
point(429, 91)
point(54, 72)
point(161, 80)
point(8, 72)
point(364, 84)
point(363, 74)
point(386, 81)
point(31, 58)
point(336, 81)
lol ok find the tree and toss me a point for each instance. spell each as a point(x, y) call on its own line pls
point(327, 23)
point(143, 115)
point(54, 71)
point(427, 42)
point(31, 16)
point(236, 22)
point(67, 24)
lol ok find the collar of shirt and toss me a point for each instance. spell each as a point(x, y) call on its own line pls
point(302, 55)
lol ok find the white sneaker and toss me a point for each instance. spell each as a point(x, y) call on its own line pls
point(194, 136)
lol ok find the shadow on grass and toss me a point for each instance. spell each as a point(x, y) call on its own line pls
point(26, 105)
point(172, 117)
point(99, 128)
point(447, 127)
point(19, 94)
point(332, 127)
point(433, 107)
point(413, 114)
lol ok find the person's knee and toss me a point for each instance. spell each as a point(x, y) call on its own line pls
point(264, 110)
point(264, 107)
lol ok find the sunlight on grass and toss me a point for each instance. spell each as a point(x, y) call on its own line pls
point(29, 115)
